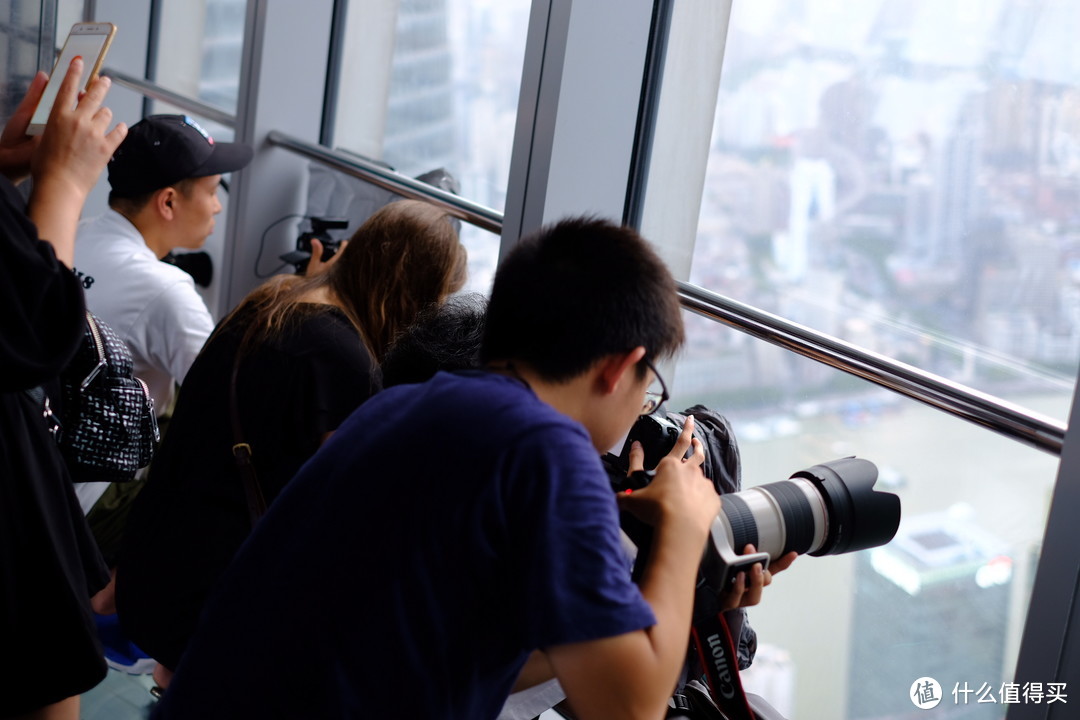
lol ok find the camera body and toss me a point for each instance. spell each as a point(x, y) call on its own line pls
point(657, 434)
point(320, 228)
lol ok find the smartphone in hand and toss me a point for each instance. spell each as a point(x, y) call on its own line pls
point(91, 41)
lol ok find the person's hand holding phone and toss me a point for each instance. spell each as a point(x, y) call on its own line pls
point(77, 142)
point(89, 41)
point(73, 150)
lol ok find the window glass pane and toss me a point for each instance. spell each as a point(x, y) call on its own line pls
point(483, 249)
point(68, 12)
point(429, 84)
point(845, 636)
point(20, 27)
point(200, 48)
point(905, 174)
point(438, 87)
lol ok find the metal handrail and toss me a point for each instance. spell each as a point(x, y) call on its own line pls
point(998, 415)
point(156, 92)
point(470, 212)
point(1013, 421)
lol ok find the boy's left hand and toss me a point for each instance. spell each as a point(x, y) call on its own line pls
point(748, 585)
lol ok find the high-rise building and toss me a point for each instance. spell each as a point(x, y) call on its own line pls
point(222, 50)
point(932, 603)
point(420, 111)
point(957, 198)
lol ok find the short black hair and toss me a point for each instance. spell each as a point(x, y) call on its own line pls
point(577, 291)
point(444, 337)
point(133, 204)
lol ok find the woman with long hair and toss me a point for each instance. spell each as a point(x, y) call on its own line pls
point(278, 375)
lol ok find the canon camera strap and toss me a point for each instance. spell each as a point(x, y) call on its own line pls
point(716, 651)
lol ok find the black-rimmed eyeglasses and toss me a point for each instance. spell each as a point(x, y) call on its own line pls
point(654, 399)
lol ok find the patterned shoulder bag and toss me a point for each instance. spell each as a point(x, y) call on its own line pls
point(108, 426)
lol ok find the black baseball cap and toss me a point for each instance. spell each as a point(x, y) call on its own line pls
point(161, 150)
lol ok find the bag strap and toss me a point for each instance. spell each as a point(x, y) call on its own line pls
point(241, 451)
point(93, 335)
point(52, 423)
point(716, 651)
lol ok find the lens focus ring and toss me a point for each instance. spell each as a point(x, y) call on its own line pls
point(798, 517)
point(741, 520)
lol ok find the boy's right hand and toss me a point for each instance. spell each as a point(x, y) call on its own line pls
point(679, 490)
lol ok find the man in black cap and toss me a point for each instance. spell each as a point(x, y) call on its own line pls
point(164, 179)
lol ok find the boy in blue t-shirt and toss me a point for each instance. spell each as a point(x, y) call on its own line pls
point(459, 539)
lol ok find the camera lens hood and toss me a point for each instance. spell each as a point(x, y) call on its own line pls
point(860, 517)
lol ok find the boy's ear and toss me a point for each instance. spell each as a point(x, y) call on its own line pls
point(163, 202)
point(614, 368)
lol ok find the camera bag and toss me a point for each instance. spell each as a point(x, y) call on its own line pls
point(108, 429)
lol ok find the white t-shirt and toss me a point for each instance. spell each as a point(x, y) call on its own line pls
point(152, 306)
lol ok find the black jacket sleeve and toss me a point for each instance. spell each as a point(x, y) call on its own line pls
point(41, 301)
